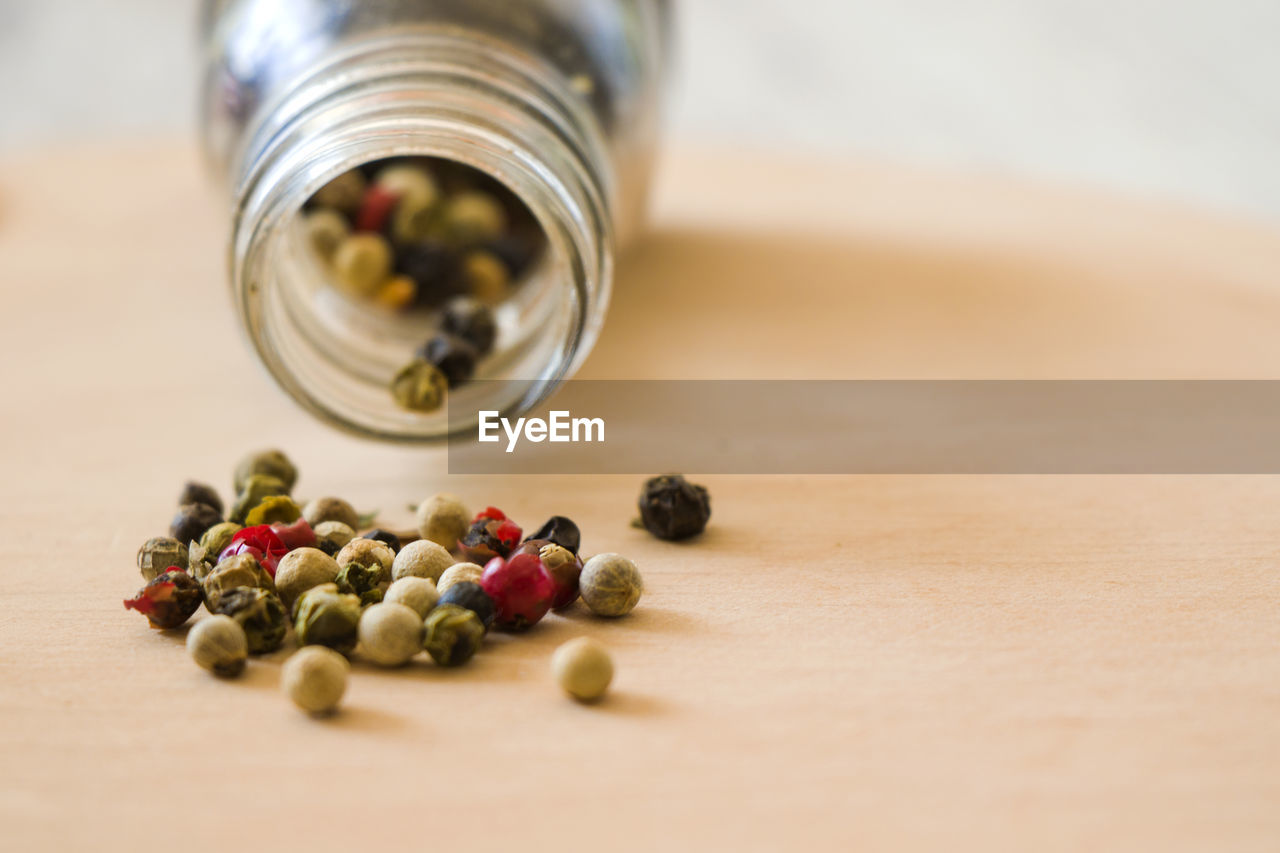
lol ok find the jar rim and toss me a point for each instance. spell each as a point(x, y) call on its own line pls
point(411, 108)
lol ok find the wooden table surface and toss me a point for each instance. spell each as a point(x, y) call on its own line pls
point(894, 663)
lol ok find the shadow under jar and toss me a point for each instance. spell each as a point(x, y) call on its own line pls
point(546, 109)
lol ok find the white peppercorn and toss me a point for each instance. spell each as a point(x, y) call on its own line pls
point(390, 634)
point(333, 536)
point(610, 585)
point(459, 573)
point(414, 592)
point(315, 678)
point(368, 552)
point(219, 644)
point(443, 519)
point(421, 559)
point(582, 668)
point(330, 509)
point(300, 570)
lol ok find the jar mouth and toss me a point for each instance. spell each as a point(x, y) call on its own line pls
point(337, 357)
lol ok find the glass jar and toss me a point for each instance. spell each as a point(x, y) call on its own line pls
point(556, 100)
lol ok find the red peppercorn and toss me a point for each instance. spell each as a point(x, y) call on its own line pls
point(564, 570)
point(260, 541)
point(491, 535)
point(168, 600)
point(490, 513)
point(296, 535)
point(375, 208)
point(520, 588)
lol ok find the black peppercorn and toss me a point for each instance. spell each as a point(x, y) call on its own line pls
point(561, 531)
point(434, 269)
point(472, 321)
point(673, 508)
point(391, 540)
point(200, 493)
point(516, 251)
point(168, 600)
point(192, 520)
point(473, 597)
point(452, 356)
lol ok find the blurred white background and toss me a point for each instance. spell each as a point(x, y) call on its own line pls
point(1179, 98)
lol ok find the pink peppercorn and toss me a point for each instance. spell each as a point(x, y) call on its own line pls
point(521, 590)
point(260, 541)
point(296, 535)
point(375, 208)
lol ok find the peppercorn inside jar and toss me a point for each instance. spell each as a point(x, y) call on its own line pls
point(422, 267)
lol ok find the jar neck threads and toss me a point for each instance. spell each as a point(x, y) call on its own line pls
point(428, 93)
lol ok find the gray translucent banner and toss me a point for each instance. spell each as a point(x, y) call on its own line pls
point(886, 427)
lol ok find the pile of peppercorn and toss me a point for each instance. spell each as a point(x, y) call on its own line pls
point(268, 567)
point(423, 234)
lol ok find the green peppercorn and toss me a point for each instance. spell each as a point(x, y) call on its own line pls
point(274, 509)
point(361, 580)
point(257, 488)
point(343, 193)
point(453, 634)
point(200, 493)
point(443, 519)
point(158, 553)
point(326, 617)
point(390, 634)
point(320, 510)
point(315, 678)
point(362, 263)
point(273, 463)
point(417, 593)
point(216, 539)
point(583, 669)
point(219, 644)
point(300, 570)
point(610, 585)
point(236, 572)
point(168, 599)
point(192, 520)
point(325, 229)
point(260, 613)
point(199, 562)
point(419, 387)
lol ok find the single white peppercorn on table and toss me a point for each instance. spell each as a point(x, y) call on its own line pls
point(315, 678)
point(583, 669)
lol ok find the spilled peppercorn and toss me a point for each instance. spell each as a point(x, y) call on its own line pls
point(301, 576)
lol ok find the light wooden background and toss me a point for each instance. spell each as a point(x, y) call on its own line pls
point(892, 663)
